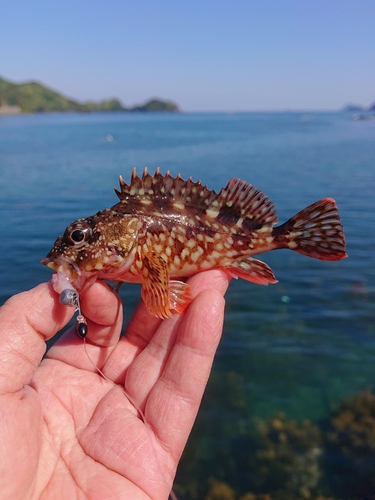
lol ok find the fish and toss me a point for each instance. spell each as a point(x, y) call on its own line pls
point(165, 229)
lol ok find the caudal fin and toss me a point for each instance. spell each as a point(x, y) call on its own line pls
point(316, 231)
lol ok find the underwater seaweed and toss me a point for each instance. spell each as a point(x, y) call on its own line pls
point(350, 448)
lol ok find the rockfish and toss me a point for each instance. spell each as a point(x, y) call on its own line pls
point(165, 229)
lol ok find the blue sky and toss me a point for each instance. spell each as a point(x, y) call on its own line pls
point(206, 55)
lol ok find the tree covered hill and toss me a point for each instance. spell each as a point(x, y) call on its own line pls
point(32, 97)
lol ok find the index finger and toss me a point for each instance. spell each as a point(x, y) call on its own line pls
point(174, 401)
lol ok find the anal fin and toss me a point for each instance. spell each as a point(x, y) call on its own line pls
point(252, 270)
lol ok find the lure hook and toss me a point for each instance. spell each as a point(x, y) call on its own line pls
point(70, 297)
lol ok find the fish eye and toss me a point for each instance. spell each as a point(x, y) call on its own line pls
point(79, 235)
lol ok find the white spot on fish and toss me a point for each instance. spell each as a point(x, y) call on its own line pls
point(170, 241)
point(195, 255)
point(215, 255)
point(212, 213)
point(185, 252)
point(178, 205)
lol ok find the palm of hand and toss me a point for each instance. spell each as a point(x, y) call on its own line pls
point(69, 432)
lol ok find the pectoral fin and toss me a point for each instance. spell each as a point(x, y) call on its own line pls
point(155, 286)
point(160, 295)
point(253, 270)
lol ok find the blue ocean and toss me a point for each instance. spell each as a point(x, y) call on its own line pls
point(292, 352)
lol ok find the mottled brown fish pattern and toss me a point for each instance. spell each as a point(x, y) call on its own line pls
point(165, 229)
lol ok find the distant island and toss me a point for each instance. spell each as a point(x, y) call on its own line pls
point(357, 108)
point(360, 113)
point(32, 97)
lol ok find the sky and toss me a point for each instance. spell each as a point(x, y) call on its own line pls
point(205, 55)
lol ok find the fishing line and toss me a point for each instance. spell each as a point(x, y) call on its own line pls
point(172, 495)
point(70, 297)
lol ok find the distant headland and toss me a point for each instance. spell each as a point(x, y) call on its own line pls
point(356, 108)
point(33, 97)
point(360, 113)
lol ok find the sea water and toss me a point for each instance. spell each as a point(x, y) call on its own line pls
point(299, 346)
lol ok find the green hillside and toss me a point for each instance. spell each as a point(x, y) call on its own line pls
point(32, 97)
point(156, 105)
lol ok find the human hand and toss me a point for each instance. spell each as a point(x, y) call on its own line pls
point(66, 432)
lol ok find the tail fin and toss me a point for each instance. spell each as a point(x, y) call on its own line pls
point(316, 231)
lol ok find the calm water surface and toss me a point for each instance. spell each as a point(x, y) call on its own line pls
point(299, 346)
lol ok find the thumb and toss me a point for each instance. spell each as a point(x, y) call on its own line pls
point(27, 320)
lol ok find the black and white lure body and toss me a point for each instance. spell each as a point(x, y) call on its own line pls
point(70, 297)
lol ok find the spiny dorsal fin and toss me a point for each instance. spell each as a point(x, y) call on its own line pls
point(238, 199)
point(165, 187)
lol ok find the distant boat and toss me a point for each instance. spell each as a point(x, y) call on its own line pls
point(107, 138)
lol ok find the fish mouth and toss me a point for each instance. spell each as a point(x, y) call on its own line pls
point(51, 263)
point(61, 263)
point(64, 266)
point(67, 275)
